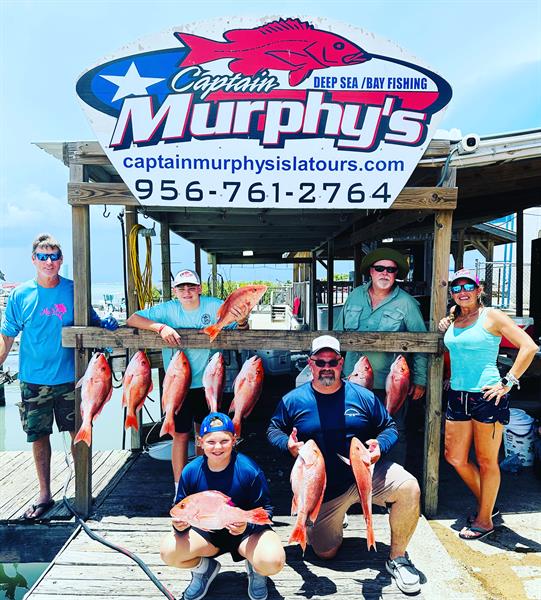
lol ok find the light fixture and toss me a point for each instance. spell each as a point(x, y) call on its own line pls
point(247, 253)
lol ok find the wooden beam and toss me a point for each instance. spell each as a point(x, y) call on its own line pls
point(126, 337)
point(224, 259)
point(81, 313)
point(166, 258)
point(388, 223)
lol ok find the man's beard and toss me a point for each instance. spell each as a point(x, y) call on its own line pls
point(327, 379)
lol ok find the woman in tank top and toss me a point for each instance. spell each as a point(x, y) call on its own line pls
point(478, 401)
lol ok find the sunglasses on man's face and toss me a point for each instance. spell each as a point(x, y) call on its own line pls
point(467, 287)
point(381, 268)
point(325, 363)
point(44, 256)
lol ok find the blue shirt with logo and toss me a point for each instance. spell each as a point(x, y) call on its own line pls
point(173, 314)
point(38, 314)
point(331, 420)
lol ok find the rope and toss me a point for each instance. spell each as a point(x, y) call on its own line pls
point(143, 281)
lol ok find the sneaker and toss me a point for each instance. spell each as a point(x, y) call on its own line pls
point(257, 584)
point(202, 577)
point(405, 574)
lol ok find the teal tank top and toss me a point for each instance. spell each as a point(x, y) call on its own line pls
point(474, 353)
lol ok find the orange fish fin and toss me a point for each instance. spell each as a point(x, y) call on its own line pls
point(259, 516)
point(298, 536)
point(80, 382)
point(167, 427)
point(131, 421)
point(299, 75)
point(212, 331)
point(84, 435)
point(371, 540)
point(315, 510)
point(238, 427)
point(346, 460)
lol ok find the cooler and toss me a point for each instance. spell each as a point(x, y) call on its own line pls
point(525, 323)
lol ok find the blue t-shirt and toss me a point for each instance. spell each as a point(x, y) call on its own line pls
point(242, 480)
point(39, 314)
point(331, 420)
point(173, 314)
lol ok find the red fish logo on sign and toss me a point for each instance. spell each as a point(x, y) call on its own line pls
point(284, 45)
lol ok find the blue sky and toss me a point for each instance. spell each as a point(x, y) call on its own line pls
point(490, 52)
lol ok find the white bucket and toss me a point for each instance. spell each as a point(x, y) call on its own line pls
point(164, 450)
point(519, 435)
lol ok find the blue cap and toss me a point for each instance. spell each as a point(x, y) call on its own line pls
point(208, 427)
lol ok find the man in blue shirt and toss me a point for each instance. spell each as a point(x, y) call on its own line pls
point(331, 412)
point(188, 310)
point(38, 309)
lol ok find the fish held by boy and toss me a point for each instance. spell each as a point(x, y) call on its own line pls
point(175, 387)
point(247, 389)
point(137, 384)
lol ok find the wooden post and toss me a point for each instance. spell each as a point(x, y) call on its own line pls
point(330, 285)
point(132, 304)
point(357, 265)
point(489, 272)
point(81, 311)
point(166, 258)
point(313, 293)
point(197, 258)
point(443, 223)
point(520, 264)
point(214, 275)
point(459, 259)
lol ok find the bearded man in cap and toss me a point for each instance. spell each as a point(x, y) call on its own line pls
point(381, 305)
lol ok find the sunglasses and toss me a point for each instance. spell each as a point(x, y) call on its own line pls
point(467, 287)
point(43, 256)
point(325, 363)
point(381, 268)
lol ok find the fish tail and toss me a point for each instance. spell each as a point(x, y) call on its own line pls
point(84, 434)
point(298, 536)
point(168, 427)
point(259, 516)
point(201, 49)
point(370, 538)
point(131, 421)
point(212, 331)
point(238, 426)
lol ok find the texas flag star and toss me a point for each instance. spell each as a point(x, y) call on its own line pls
point(131, 84)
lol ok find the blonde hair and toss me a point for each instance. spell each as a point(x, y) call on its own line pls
point(45, 240)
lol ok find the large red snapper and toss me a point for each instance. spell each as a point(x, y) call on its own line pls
point(397, 385)
point(242, 300)
point(176, 384)
point(96, 389)
point(308, 482)
point(212, 510)
point(362, 373)
point(214, 381)
point(137, 384)
point(247, 389)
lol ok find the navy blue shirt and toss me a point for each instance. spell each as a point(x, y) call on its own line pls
point(242, 480)
point(331, 420)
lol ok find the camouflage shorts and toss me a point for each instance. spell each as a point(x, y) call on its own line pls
point(40, 402)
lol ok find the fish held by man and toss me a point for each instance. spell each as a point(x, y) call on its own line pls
point(285, 45)
point(362, 373)
point(212, 510)
point(237, 307)
point(308, 482)
point(96, 389)
point(363, 469)
point(137, 384)
point(397, 385)
point(214, 381)
point(247, 389)
point(176, 384)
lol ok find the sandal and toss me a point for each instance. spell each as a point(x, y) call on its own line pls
point(36, 511)
point(471, 518)
point(476, 533)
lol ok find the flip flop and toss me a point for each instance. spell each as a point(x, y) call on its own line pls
point(478, 533)
point(36, 511)
point(471, 518)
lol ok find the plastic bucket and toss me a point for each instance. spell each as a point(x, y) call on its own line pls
point(519, 435)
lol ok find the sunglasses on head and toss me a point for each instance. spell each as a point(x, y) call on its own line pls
point(381, 268)
point(325, 363)
point(467, 287)
point(43, 256)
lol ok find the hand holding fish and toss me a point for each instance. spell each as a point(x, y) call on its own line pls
point(497, 391)
point(293, 444)
point(169, 335)
point(236, 528)
point(374, 450)
point(444, 324)
point(417, 391)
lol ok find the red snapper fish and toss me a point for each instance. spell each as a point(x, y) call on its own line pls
point(397, 385)
point(137, 384)
point(96, 389)
point(242, 300)
point(176, 384)
point(308, 482)
point(212, 510)
point(285, 45)
point(247, 389)
point(362, 373)
point(214, 381)
point(359, 460)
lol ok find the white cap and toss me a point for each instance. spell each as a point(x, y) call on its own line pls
point(186, 276)
point(325, 342)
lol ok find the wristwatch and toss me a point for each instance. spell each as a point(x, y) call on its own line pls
point(506, 382)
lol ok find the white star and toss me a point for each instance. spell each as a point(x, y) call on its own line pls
point(131, 84)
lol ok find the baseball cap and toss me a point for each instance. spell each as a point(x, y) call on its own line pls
point(464, 274)
point(225, 424)
point(325, 342)
point(186, 276)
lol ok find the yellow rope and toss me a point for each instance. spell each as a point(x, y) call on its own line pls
point(143, 281)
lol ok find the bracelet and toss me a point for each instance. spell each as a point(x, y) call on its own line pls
point(243, 325)
point(511, 378)
point(160, 329)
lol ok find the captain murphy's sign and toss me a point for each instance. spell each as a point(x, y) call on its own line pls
point(277, 113)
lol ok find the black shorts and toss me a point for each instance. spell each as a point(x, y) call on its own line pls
point(225, 542)
point(465, 406)
point(194, 408)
